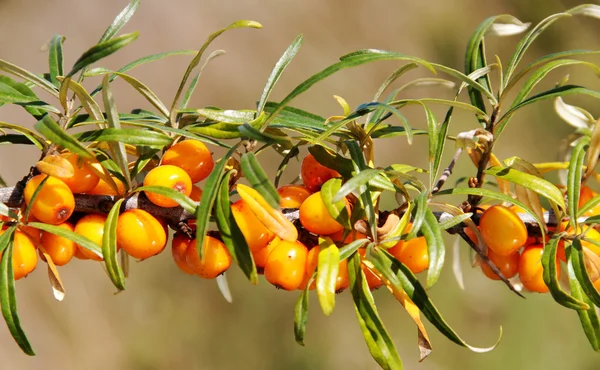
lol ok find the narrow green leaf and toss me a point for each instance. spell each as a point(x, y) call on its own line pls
point(550, 276)
point(30, 134)
point(419, 212)
point(333, 161)
point(184, 201)
point(126, 136)
point(471, 84)
point(257, 177)
point(209, 196)
point(28, 76)
point(79, 239)
point(301, 314)
point(588, 318)
point(228, 116)
point(120, 20)
point(591, 204)
point(117, 148)
point(264, 137)
point(355, 182)
point(327, 273)
point(435, 247)
point(574, 174)
point(391, 78)
point(231, 234)
point(282, 63)
point(378, 340)
point(440, 142)
point(358, 161)
point(88, 103)
point(8, 299)
point(453, 221)
point(541, 186)
point(55, 58)
point(101, 50)
point(293, 152)
point(109, 247)
point(347, 250)
point(337, 210)
point(577, 260)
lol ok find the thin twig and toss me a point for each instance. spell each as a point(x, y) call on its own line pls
point(447, 172)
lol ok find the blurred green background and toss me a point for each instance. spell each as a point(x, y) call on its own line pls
point(168, 320)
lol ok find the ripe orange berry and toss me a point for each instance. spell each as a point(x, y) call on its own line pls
point(102, 188)
point(260, 256)
point(61, 250)
point(597, 285)
point(352, 236)
point(286, 265)
point(92, 227)
point(373, 280)
point(412, 253)
point(216, 258)
point(312, 261)
point(193, 157)
point(33, 233)
point(292, 196)
point(503, 231)
point(179, 247)
point(315, 217)
point(79, 255)
point(585, 195)
point(256, 234)
point(196, 193)
point(314, 174)
point(140, 234)
point(54, 203)
point(83, 179)
point(24, 258)
point(531, 270)
point(508, 265)
point(171, 177)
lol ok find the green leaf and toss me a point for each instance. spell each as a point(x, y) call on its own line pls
point(327, 273)
point(282, 63)
point(539, 185)
point(109, 247)
point(88, 103)
point(101, 50)
point(231, 234)
point(440, 143)
point(183, 200)
point(550, 276)
point(120, 20)
point(435, 247)
point(28, 76)
point(78, 239)
point(401, 277)
point(378, 340)
point(347, 61)
point(577, 261)
point(126, 136)
point(358, 161)
point(293, 152)
point(355, 182)
point(472, 84)
point(294, 118)
point(209, 196)
point(8, 300)
point(55, 58)
point(257, 177)
point(250, 132)
point(574, 179)
point(198, 57)
point(347, 250)
point(332, 161)
point(301, 314)
point(588, 206)
point(30, 134)
point(337, 210)
point(588, 318)
point(419, 212)
point(453, 221)
point(117, 148)
point(228, 116)
point(391, 78)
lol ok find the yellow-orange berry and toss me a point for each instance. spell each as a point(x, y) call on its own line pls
point(412, 253)
point(314, 174)
point(585, 195)
point(256, 234)
point(61, 250)
point(193, 157)
point(531, 270)
point(24, 257)
point(508, 265)
point(503, 231)
point(171, 177)
point(102, 188)
point(54, 203)
point(83, 179)
point(373, 281)
point(196, 193)
point(179, 247)
point(216, 259)
point(92, 227)
point(315, 217)
point(292, 196)
point(260, 256)
point(286, 265)
point(140, 234)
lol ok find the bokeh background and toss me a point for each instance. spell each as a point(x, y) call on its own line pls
point(168, 320)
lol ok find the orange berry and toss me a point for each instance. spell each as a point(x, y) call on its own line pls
point(352, 236)
point(102, 188)
point(315, 217)
point(92, 227)
point(314, 174)
point(256, 234)
point(170, 177)
point(216, 259)
point(33, 233)
point(373, 280)
point(531, 270)
point(260, 256)
point(61, 250)
point(140, 234)
point(412, 253)
point(508, 265)
point(503, 231)
point(196, 193)
point(292, 196)
point(54, 203)
point(286, 265)
point(79, 255)
point(585, 195)
point(179, 247)
point(193, 157)
point(83, 179)
point(24, 257)
point(597, 285)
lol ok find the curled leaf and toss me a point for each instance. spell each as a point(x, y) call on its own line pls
point(55, 165)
